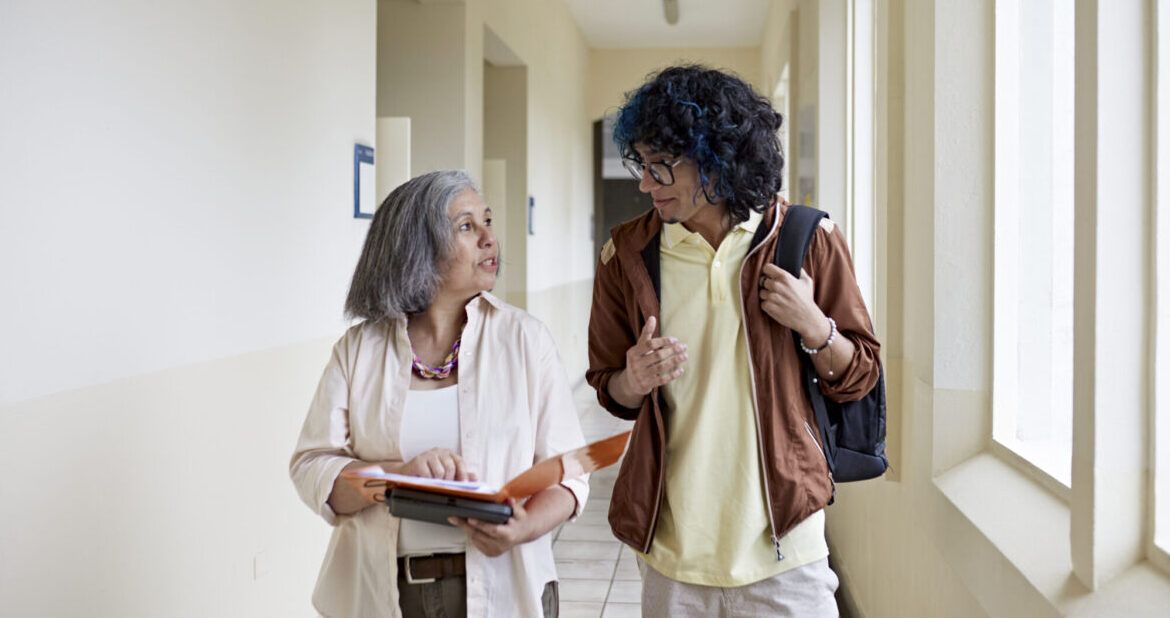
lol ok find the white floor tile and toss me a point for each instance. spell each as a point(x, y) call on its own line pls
point(592, 518)
point(597, 505)
point(622, 610)
point(625, 592)
point(586, 550)
point(627, 570)
point(576, 609)
point(582, 532)
point(585, 590)
point(586, 569)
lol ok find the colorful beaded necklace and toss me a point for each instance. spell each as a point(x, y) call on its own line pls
point(442, 372)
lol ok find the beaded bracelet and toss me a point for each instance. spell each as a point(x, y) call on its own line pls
point(828, 342)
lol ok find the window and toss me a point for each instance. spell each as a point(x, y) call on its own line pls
point(1032, 391)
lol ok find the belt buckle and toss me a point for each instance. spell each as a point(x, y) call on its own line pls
point(410, 576)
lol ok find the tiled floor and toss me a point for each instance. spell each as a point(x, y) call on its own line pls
point(599, 577)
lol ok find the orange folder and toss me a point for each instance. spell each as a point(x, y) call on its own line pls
point(374, 482)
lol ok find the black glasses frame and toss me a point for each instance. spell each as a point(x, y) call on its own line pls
point(661, 171)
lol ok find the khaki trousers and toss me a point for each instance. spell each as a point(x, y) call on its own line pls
point(804, 592)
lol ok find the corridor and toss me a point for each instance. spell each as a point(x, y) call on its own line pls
point(185, 188)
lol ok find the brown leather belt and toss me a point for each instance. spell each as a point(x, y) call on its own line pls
point(426, 569)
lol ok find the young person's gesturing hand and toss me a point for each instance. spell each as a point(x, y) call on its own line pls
point(651, 362)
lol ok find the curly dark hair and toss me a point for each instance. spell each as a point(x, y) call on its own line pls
point(716, 120)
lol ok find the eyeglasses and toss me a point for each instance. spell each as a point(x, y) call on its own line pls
point(661, 171)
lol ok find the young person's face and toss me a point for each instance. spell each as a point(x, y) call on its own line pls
point(676, 202)
point(474, 259)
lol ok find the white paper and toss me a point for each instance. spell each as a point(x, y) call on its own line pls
point(472, 486)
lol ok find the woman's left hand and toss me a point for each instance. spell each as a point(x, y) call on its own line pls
point(789, 300)
point(495, 539)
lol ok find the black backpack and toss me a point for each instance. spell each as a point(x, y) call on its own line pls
point(853, 432)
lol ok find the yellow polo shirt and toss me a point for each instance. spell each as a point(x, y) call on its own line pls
point(713, 527)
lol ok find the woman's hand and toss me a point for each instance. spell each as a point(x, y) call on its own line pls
point(352, 495)
point(496, 539)
point(789, 301)
point(438, 463)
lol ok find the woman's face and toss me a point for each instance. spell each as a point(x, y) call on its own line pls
point(474, 258)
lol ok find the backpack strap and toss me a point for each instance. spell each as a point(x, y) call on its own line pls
point(796, 233)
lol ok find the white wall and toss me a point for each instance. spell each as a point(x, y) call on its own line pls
point(177, 230)
point(177, 181)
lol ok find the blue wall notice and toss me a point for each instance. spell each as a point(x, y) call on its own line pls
point(363, 182)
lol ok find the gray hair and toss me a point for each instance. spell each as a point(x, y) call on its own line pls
point(409, 239)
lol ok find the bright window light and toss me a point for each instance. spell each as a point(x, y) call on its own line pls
point(1034, 233)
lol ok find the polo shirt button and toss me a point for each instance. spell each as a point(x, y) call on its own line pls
point(718, 263)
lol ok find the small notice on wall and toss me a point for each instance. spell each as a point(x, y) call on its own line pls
point(363, 182)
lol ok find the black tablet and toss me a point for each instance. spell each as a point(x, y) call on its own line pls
point(436, 508)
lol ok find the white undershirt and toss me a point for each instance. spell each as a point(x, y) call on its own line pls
point(430, 420)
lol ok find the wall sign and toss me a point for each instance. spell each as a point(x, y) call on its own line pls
point(363, 182)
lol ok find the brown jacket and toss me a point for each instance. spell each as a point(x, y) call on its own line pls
point(796, 477)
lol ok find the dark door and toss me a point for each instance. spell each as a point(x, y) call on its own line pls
point(616, 198)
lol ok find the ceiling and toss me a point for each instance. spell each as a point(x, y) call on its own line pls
point(610, 24)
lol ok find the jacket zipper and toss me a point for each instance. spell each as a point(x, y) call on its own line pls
point(820, 448)
point(832, 481)
point(808, 428)
point(755, 397)
point(661, 484)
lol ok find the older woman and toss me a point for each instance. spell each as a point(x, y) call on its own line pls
point(440, 379)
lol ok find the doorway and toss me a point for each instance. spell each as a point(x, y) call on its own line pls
point(616, 198)
point(505, 163)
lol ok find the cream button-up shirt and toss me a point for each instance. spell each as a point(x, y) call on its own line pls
point(515, 409)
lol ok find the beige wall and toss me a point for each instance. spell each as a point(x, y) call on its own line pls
point(558, 174)
point(776, 52)
point(614, 72)
point(165, 494)
point(505, 130)
point(776, 47)
point(421, 76)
